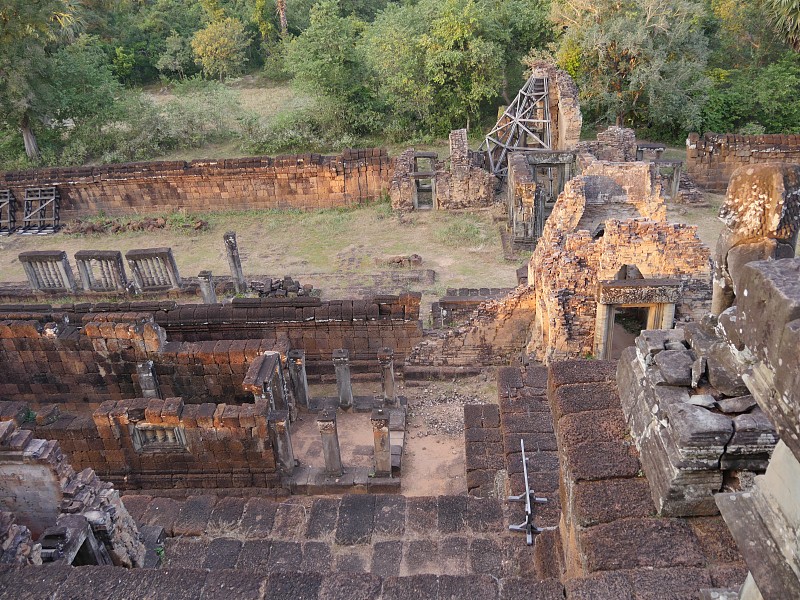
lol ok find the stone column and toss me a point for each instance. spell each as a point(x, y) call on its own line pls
point(383, 449)
point(341, 362)
point(386, 361)
point(603, 326)
point(235, 263)
point(207, 287)
point(281, 439)
point(147, 379)
point(326, 422)
point(297, 375)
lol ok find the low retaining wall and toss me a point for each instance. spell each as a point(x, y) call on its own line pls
point(712, 159)
point(306, 181)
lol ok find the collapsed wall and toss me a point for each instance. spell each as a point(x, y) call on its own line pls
point(306, 181)
point(712, 158)
point(463, 184)
point(44, 497)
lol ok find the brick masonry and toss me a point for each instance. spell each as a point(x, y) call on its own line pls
point(712, 158)
point(307, 181)
point(224, 446)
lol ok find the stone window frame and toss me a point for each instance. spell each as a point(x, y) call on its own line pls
point(143, 444)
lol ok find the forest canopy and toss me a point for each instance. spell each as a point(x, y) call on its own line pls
point(75, 74)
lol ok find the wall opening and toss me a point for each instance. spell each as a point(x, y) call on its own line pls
point(629, 321)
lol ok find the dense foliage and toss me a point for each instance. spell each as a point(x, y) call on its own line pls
point(72, 71)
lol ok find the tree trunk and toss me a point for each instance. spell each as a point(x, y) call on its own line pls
point(505, 87)
point(281, 8)
point(28, 137)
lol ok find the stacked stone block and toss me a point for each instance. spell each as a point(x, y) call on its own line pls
point(695, 423)
point(307, 181)
point(614, 546)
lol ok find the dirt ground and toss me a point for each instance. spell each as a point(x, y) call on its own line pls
point(336, 251)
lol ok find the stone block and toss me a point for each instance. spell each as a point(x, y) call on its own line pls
point(768, 288)
point(675, 366)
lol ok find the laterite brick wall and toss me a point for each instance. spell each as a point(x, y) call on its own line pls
point(307, 181)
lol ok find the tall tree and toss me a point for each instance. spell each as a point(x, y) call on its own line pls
point(25, 30)
point(221, 48)
point(636, 62)
point(785, 15)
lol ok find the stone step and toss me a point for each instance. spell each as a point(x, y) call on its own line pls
point(112, 583)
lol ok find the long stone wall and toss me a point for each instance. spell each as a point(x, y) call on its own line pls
point(199, 352)
point(307, 181)
point(712, 159)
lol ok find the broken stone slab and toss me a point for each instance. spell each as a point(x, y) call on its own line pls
point(754, 429)
point(696, 427)
point(725, 371)
point(704, 400)
point(653, 341)
point(675, 366)
point(736, 405)
point(699, 367)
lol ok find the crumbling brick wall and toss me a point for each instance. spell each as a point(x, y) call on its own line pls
point(640, 182)
point(712, 159)
point(567, 266)
point(466, 184)
point(79, 492)
point(222, 445)
point(307, 181)
point(87, 358)
point(97, 361)
point(566, 119)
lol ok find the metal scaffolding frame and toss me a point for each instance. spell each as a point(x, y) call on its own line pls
point(524, 125)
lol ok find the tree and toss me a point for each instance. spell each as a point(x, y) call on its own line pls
point(177, 56)
point(325, 60)
point(636, 62)
point(25, 29)
point(221, 48)
point(785, 16)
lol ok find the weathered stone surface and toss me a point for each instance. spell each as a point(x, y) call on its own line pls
point(322, 518)
point(223, 553)
point(258, 516)
point(699, 428)
point(724, 371)
point(386, 557)
point(194, 515)
point(356, 519)
point(581, 397)
point(350, 586)
point(233, 585)
point(411, 588)
point(294, 585)
point(611, 585)
point(528, 589)
point(675, 366)
point(736, 405)
point(768, 288)
point(634, 543)
point(458, 588)
point(611, 499)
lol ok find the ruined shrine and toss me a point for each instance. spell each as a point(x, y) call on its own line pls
point(239, 436)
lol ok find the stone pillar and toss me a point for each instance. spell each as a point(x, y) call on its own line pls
point(297, 375)
point(603, 326)
point(326, 422)
point(207, 287)
point(383, 449)
point(147, 379)
point(281, 439)
point(386, 361)
point(341, 362)
point(234, 262)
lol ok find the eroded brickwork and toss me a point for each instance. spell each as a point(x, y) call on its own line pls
point(79, 493)
point(712, 159)
point(307, 181)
